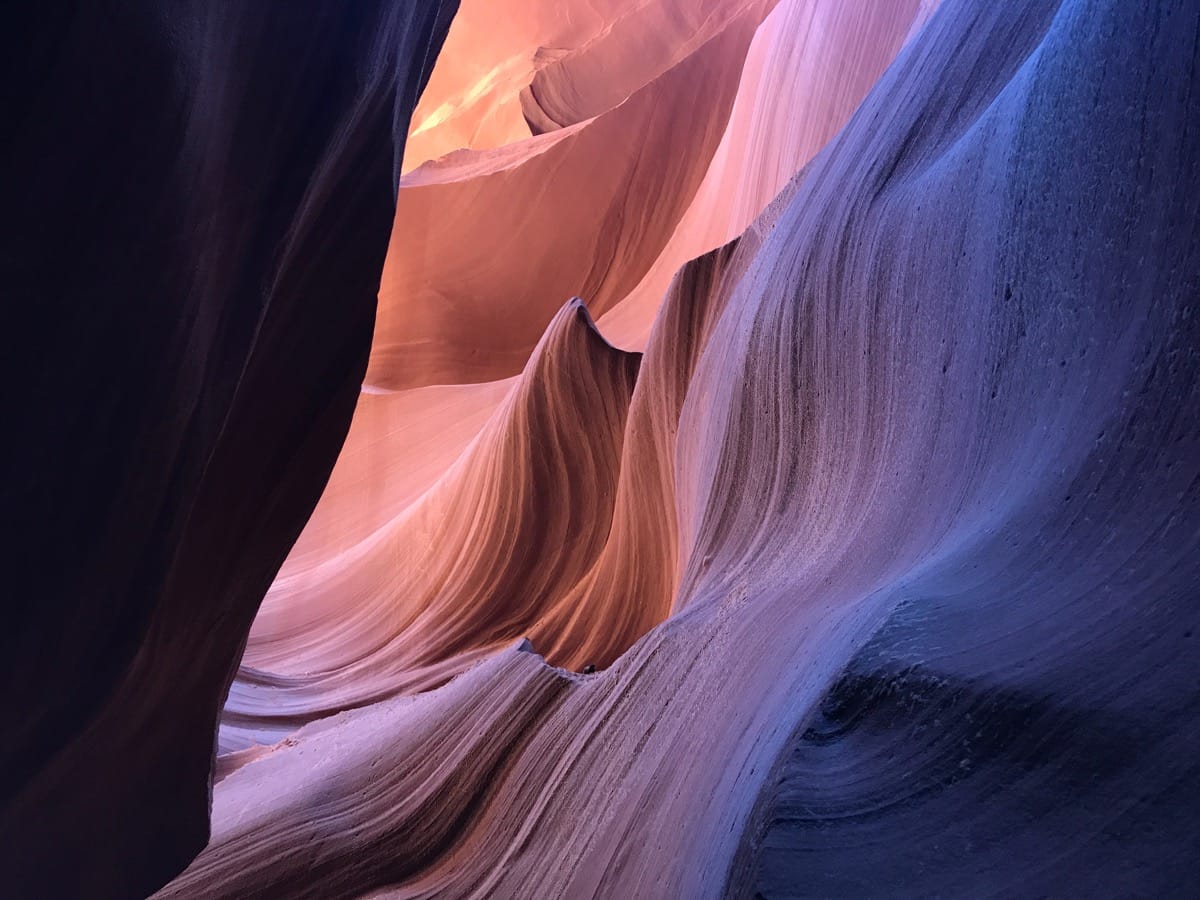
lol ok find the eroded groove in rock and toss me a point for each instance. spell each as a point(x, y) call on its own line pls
point(635, 47)
point(632, 585)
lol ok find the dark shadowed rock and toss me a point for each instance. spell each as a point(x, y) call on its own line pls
point(196, 203)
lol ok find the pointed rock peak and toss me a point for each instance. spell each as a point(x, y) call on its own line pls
point(574, 329)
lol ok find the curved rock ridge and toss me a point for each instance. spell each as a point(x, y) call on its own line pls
point(936, 486)
point(632, 584)
point(402, 440)
point(509, 528)
point(460, 740)
point(197, 201)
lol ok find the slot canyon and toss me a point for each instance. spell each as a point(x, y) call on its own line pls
point(625, 449)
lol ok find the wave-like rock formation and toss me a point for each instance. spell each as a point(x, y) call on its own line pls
point(816, 59)
point(558, 516)
point(343, 562)
point(196, 206)
point(876, 572)
point(897, 587)
point(516, 521)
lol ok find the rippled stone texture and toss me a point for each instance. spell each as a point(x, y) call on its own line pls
point(368, 560)
point(874, 573)
point(926, 433)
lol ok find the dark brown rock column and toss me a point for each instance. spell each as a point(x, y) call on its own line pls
point(196, 201)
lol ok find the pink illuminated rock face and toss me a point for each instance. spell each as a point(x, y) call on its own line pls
point(774, 471)
point(581, 210)
point(369, 544)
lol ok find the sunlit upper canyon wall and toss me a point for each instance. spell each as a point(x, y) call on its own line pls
point(659, 449)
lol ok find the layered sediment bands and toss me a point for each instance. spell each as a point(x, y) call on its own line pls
point(1018, 722)
point(196, 210)
point(586, 208)
point(631, 586)
point(516, 521)
point(632, 582)
point(820, 58)
point(937, 463)
point(459, 741)
point(400, 443)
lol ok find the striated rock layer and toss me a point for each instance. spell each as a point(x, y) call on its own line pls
point(346, 571)
point(873, 496)
point(900, 515)
point(197, 202)
point(516, 521)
